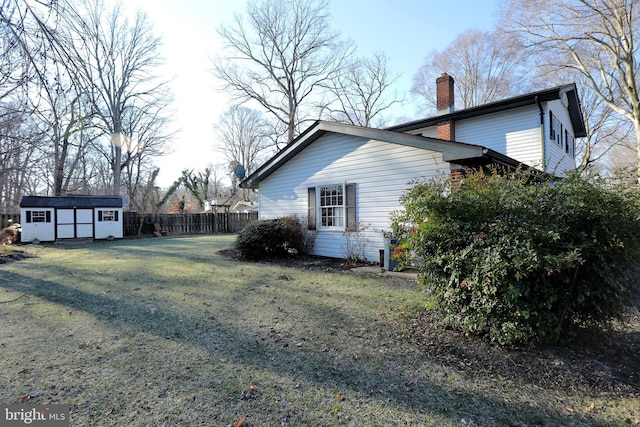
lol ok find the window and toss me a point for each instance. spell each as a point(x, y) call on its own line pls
point(331, 206)
point(570, 144)
point(555, 129)
point(38, 216)
point(107, 215)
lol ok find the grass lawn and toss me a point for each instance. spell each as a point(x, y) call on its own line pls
point(168, 332)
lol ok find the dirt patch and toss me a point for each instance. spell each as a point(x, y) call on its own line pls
point(304, 262)
point(590, 362)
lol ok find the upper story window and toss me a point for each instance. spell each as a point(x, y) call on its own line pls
point(555, 129)
point(560, 134)
point(569, 144)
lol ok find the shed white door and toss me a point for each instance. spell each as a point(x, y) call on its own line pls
point(65, 225)
point(84, 223)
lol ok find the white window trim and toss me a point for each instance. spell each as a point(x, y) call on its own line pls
point(319, 208)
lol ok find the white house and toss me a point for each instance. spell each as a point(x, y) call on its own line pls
point(334, 175)
point(49, 219)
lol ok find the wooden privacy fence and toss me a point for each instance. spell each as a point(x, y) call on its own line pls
point(179, 224)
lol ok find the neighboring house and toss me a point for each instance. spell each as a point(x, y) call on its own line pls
point(48, 219)
point(244, 206)
point(220, 204)
point(335, 175)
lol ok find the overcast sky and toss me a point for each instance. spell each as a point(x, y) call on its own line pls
point(406, 30)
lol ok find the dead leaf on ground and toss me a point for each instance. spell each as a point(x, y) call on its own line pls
point(242, 422)
point(250, 393)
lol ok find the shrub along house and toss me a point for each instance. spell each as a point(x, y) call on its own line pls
point(48, 219)
point(335, 176)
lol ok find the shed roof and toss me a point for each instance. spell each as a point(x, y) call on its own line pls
point(75, 201)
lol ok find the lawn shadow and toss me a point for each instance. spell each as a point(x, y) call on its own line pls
point(388, 376)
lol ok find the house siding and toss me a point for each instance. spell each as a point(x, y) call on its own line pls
point(515, 133)
point(557, 159)
point(380, 170)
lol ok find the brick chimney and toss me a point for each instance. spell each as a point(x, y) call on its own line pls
point(445, 105)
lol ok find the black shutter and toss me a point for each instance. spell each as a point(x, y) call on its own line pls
point(48, 216)
point(311, 208)
point(350, 205)
point(99, 215)
point(116, 215)
point(551, 133)
point(28, 216)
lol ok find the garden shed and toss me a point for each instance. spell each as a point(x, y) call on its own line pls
point(48, 219)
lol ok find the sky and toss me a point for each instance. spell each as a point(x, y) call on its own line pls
point(405, 30)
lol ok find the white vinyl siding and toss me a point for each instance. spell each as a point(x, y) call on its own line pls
point(380, 170)
point(515, 133)
point(559, 161)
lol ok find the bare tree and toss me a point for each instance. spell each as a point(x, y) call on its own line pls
point(362, 92)
point(244, 134)
point(115, 61)
point(218, 172)
point(21, 146)
point(146, 124)
point(594, 38)
point(64, 115)
point(486, 67)
point(26, 43)
point(284, 52)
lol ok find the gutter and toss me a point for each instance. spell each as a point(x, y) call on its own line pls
point(544, 154)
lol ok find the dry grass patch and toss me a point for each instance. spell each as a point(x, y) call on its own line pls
point(168, 332)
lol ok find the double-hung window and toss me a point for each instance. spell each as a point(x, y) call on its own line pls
point(331, 206)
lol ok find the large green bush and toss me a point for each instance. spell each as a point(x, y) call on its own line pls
point(521, 259)
point(270, 238)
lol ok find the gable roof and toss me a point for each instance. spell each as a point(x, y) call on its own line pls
point(75, 201)
point(452, 151)
point(570, 90)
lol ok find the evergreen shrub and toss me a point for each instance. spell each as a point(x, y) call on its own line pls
point(279, 237)
point(519, 258)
